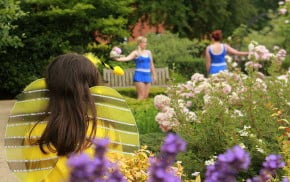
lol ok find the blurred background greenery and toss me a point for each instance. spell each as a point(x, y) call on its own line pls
point(33, 32)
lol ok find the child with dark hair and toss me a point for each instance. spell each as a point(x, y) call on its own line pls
point(61, 115)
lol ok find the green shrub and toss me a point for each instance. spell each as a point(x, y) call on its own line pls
point(286, 63)
point(176, 77)
point(50, 29)
point(131, 91)
point(188, 67)
point(152, 140)
point(144, 110)
point(144, 113)
point(227, 109)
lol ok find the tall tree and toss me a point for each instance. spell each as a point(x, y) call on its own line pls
point(195, 18)
point(265, 5)
point(53, 27)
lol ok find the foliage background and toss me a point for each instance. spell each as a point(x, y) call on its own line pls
point(33, 32)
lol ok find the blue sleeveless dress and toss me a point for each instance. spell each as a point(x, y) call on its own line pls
point(218, 61)
point(142, 71)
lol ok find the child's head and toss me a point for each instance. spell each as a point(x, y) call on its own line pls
point(68, 79)
point(71, 73)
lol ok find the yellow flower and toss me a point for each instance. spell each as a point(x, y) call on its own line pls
point(118, 70)
point(278, 113)
point(135, 167)
point(92, 58)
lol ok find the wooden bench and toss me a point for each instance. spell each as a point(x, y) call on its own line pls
point(126, 80)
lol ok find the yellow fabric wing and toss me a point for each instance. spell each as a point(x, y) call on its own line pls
point(114, 121)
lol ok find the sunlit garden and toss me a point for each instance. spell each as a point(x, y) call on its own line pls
point(226, 127)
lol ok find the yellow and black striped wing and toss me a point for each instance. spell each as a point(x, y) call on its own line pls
point(114, 121)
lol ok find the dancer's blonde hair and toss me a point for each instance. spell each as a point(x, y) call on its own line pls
point(139, 40)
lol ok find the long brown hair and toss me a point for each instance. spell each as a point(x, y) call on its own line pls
point(68, 79)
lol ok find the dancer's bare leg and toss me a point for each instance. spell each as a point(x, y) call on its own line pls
point(140, 88)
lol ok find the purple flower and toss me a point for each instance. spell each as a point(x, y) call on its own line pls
point(173, 144)
point(159, 168)
point(158, 172)
point(285, 179)
point(236, 157)
point(101, 146)
point(116, 176)
point(272, 163)
point(98, 169)
point(78, 160)
point(228, 165)
point(255, 179)
point(101, 167)
point(82, 167)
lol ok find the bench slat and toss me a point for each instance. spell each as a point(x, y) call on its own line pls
point(127, 79)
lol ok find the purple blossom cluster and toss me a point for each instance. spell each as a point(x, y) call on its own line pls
point(228, 165)
point(225, 169)
point(98, 169)
point(285, 179)
point(159, 168)
point(271, 164)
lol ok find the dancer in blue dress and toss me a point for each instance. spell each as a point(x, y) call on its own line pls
point(144, 68)
point(216, 52)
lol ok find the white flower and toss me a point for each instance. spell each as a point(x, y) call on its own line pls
point(260, 75)
point(191, 116)
point(282, 11)
point(161, 101)
point(276, 47)
point(238, 112)
point(242, 145)
point(286, 21)
point(210, 161)
point(281, 54)
point(283, 77)
point(251, 47)
point(188, 103)
point(234, 64)
point(244, 133)
point(281, 2)
point(228, 58)
point(207, 99)
point(197, 77)
point(260, 149)
point(226, 88)
point(195, 173)
point(234, 98)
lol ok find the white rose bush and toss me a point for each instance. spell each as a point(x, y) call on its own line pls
point(231, 108)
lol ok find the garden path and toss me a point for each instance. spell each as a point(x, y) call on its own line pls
point(5, 174)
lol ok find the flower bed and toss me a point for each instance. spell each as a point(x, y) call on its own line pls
point(230, 108)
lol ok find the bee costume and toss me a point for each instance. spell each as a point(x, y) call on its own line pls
point(26, 161)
